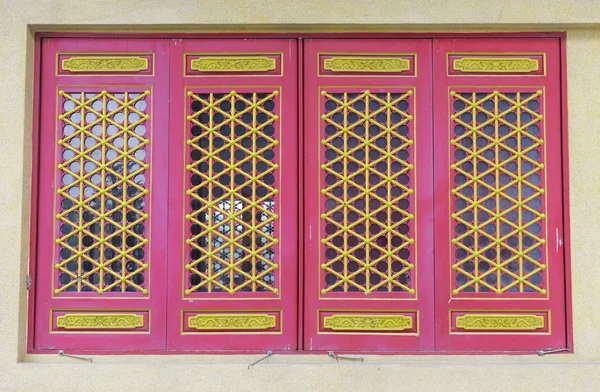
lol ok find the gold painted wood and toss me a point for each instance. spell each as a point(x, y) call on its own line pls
point(100, 321)
point(496, 65)
point(366, 64)
point(500, 322)
point(231, 321)
point(368, 323)
point(105, 64)
point(234, 64)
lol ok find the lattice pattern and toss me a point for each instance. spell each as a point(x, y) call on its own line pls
point(367, 147)
point(233, 193)
point(498, 192)
point(102, 212)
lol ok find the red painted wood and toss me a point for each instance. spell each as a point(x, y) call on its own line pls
point(316, 337)
point(552, 335)
point(301, 239)
point(566, 198)
point(33, 218)
point(152, 336)
point(283, 335)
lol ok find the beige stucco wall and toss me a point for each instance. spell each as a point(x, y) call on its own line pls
point(577, 372)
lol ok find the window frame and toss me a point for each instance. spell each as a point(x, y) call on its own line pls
point(35, 162)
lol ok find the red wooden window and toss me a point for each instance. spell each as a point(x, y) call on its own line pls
point(170, 184)
point(368, 195)
point(499, 226)
point(233, 195)
point(102, 220)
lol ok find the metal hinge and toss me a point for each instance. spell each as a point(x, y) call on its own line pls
point(28, 282)
point(61, 353)
point(269, 353)
point(541, 353)
point(333, 355)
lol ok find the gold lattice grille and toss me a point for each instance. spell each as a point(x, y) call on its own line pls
point(102, 212)
point(368, 150)
point(498, 192)
point(232, 187)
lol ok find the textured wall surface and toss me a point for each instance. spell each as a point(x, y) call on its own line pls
point(21, 372)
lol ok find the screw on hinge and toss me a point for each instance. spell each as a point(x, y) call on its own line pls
point(331, 354)
point(61, 353)
point(269, 353)
point(541, 353)
point(28, 282)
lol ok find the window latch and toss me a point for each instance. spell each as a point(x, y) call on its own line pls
point(61, 353)
point(333, 355)
point(541, 353)
point(269, 353)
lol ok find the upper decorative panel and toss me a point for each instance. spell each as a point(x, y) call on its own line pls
point(340, 64)
point(496, 64)
point(239, 64)
point(80, 64)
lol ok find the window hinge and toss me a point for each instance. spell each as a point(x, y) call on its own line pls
point(541, 353)
point(61, 353)
point(269, 353)
point(333, 355)
point(28, 282)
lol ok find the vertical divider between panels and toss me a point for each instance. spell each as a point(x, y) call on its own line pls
point(300, 169)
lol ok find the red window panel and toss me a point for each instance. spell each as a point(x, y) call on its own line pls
point(499, 254)
point(233, 195)
point(368, 195)
point(101, 244)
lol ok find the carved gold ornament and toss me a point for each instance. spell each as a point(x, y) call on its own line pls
point(366, 64)
point(105, 64)
point(368, 323)
point(231, 321)
point(496, 65)
point(496, 322)
point(234, 64)
point(100, 321)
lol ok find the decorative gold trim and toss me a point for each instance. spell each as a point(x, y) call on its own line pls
point(231, 321)
point(105, 64)
point(368, 322)
point(233, 64)
point(500, 322)
point(496, 65)
point(100, 321)
point(366, 64)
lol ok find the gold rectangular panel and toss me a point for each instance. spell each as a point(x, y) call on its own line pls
point(231, 321)
point(496, 65)
point(234, 64)
point(368, 322)
point(100, 321)
point(366, 64)
point(105, 64)
point(500, 322)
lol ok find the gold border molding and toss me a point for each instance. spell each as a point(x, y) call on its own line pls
point(100, 321)
point(500, 322)
point(231, 321)
point(368, 322)
point(496, 65)
point(233, 64)
point(366, 64)
point(105, 64)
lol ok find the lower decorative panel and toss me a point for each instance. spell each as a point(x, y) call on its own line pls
point(499, 322)
point(230, 322)
point(97, 321)
point(368, 322)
